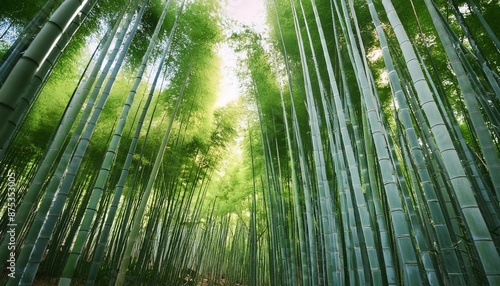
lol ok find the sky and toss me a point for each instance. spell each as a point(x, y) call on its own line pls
point(246, 12)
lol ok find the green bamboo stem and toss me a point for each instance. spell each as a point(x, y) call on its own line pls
point(43, 235)
point(461, 185)
point(31, 60)
point(145, 196)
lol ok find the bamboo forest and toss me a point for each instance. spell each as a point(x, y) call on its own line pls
point(249, 142)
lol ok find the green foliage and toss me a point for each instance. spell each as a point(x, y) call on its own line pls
point(20, 13)
point(315, 176)
point(4, 46)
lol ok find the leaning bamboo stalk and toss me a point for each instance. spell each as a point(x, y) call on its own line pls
point(30, 94)
point(253, 226)
point(471, 265)
point(462, 187)
point(54, 149)
point(326, 210)
point(303, 170)
point(108, 160)
point(407, 251)
point(481, 59)
point(34, 56)
point(295, 185)
point(144, 198)
point(62, 132)
point(367, 174)
point(350, 238)
point(490, 152)
point(11, 56)
point(359, 197)
point(450, 260)
point(43, 234)
point(269, 203)
point(485, 24)
point(30, 196)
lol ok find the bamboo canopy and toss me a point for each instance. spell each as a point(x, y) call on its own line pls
point(270, 142)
